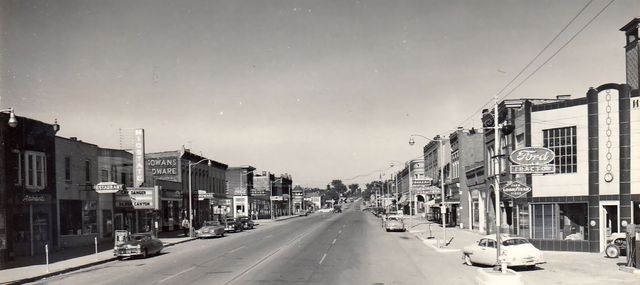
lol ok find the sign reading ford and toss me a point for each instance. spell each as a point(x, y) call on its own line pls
point(532, 156)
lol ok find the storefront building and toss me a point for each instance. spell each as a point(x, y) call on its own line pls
point(261, 195)
point(115, 165)
point(282, 191)
point(239, 185)
point(466, 150)
point(437, 155)
point(170, 171)
point(591, 194)
point(28, 189)
point(79, 208)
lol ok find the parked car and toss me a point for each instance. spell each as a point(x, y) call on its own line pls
point(233, 225)
point(518, 251)
point(337, 209)
point(210, 229)
point(394, 223)
point(247, 223)
point(617, 245)
point(138, 245)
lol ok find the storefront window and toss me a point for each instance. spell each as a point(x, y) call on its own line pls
point(89, 218)
point(560, 221)
point(523, 220)
point(636, 212)
point(70, 217)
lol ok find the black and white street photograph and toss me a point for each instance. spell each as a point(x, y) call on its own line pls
point(337, 142)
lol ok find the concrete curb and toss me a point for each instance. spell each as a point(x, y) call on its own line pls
point(78, 267)
point(434, 245)
point(629, 270)
point(491, 277)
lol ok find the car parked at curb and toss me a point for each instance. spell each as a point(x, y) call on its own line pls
point(210, 229)
point(143, 245)
point(233, 225)
point(247, 223)
point(517, 251)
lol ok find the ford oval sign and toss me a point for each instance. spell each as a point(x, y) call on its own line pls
point(532, 156)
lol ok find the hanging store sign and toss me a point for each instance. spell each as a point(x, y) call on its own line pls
point(138, 157)
point(276, 198)
point(516, 189)
point(108, 187)
point(140, 198)
point(532, 156)
point(532, 169)
point(532, 160)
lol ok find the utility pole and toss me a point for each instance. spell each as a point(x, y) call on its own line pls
point(496, 146)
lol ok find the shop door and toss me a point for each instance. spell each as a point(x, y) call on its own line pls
point(609, 221)
point(119, 222)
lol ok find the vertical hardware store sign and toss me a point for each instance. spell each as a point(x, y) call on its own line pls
point(140, 198)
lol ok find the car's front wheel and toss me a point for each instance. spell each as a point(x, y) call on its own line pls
point(612, 251)
point(145, 253)
point(467, 259)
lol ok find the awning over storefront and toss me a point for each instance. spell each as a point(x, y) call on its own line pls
point(430, 203)
point(403, 200)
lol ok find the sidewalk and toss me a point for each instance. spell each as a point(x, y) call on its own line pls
point(432, 235)
point(32, 268)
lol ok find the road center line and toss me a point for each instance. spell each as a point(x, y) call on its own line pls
point(334, 241)
point(322, 259)
point(340, 231)
point(266, 237)
point(234, 250)
point(174, 275)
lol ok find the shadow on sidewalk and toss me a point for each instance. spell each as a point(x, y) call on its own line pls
point(56, 255)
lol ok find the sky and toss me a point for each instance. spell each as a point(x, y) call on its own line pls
point(321, 90)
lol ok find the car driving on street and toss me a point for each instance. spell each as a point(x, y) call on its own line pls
point(142, 245)
point(394, 223)
point(210, 229)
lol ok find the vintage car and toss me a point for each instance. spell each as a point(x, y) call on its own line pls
point(210, 229)
point(233, 225)
point(617, 245)
point(394, 223)
point(517, 252)
point(247, 223)
point(138, 245)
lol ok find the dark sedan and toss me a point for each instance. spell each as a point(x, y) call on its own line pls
point(138, 245)
point(247, 223)
point(233, 225)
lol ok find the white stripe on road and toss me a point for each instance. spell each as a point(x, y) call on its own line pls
point(323, 257)
point(174, 275)
point(234, 250)
point(266, 237)
point(340, 231)
point(334, 241)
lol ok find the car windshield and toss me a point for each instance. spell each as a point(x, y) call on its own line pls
point(230, 220)
point(139, 237)
point(210, 223)
point(393, 219)
point(515, 241)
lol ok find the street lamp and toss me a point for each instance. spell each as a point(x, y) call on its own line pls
point(13, 122)
point(191, 197)
point(443, 209)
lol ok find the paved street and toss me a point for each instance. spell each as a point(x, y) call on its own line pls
point(347, 248)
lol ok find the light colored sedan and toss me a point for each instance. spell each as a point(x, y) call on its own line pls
point(210, 229)
point(517, 252)
point(394, 223)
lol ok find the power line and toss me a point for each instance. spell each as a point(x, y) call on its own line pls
point(560, 49)
point(535, 58)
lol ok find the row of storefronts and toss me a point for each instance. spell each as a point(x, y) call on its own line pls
point(63, 192)
point(575, 202)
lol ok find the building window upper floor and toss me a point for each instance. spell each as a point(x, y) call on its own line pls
point(455, 165)
point(35, 166)
point(563, 142)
